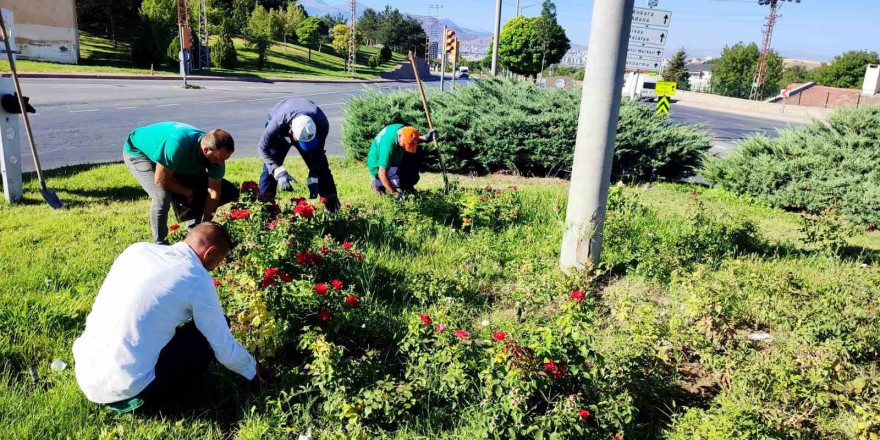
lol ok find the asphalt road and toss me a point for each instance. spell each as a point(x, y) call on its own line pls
point(87, 120)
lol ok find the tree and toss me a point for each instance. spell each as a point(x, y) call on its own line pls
point(521, 50)
point(241, 14)
point(796, 75)
point(223, 52)
point(258, 33)
point(310, 32)
point(553, 41)
point(107, 16)
point(368, 25)
point(292, 16)
point(333, 19)
point(847, 70)
point(676, 70)
point(735, 71)
point(145, 50)
point(341, 38)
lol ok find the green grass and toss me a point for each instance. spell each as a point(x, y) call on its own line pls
point(53, 263)
point(285, 60)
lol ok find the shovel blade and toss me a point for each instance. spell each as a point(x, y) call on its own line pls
point(51, 198)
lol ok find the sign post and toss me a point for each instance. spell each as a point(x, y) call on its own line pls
point(665, 90)
point(647, 38)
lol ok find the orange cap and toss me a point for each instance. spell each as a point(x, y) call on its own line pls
point(410, 139)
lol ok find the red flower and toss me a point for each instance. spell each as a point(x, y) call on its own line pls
point(577, 296)
point(323, 200)
point(426, 319)
point(463, 334)
point(558, 371)
point(357, 255)
point(173, 227)
point(346, 245)
point(513, 187)
point(286, 278)
point(325, 315)
point(267, 281)
point(484, 198)
point(271, 225)
point(617, 437)
point(321, 289)
point(499, 335)
point(229, 281)
point(239, 214)
point(308, 257)
point(216, 283)
point(467, 222)
point(271, 272)
point(440, 328)
point(583, 413)
point(304, 209)
point(337, 284)
point(316, 258)
point(347, 205)
point(298, 200)
point(352, 301)
point(250, 187)
point(488, 188)
point(324, 250)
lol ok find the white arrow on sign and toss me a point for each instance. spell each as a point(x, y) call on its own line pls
point(641, 52)
point(648, 36)
point(653, 17)
point(643, 64)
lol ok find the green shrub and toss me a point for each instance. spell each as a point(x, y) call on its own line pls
point(374, 61)
point(811, 169)
point(223, 54)
point(638, 239)
point(508, 126)
point(385, 54)
point(172, 53)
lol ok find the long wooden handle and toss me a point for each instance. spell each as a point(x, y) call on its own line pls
point(27, 122)
point(412, 61)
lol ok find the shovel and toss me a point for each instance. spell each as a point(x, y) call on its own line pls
point(48, 194)
point(412, 61)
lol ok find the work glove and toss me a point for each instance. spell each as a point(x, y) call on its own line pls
point(284, 179)
point(431, 135)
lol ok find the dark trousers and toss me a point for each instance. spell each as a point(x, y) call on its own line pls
point(406, 175)
point(180, 369)
point(144, 171)
point(320, 180)
point(195, 211)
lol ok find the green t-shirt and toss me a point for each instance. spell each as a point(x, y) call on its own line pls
point(175, 146)
point(385, 151)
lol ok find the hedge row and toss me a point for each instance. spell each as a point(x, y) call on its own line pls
point(821, 167)
point(508, 126)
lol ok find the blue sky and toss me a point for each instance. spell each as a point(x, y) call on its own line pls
point(815, 29)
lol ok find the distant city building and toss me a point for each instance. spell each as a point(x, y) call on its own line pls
point(574, 58)
point(700, 75)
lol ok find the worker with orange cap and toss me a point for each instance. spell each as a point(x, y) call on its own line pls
point(394, 159)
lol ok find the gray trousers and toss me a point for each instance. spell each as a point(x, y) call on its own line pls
point(144, 170)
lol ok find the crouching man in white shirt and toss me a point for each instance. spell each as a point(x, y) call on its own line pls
point(139, 345)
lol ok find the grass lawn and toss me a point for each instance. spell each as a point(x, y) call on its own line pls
point(284, 61)
point(670, 319)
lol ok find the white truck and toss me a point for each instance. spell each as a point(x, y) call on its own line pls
point(641, 86)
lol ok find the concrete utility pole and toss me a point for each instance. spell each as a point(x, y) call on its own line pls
point(497, 37)
point(443, 61)
point(597, 130)
point(517, 8)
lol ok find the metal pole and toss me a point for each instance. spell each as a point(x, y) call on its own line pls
point(443, 60)
point(497, 37)
point(597, 130)
point(454, 65)
point(518, 12)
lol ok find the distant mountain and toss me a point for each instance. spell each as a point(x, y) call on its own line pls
point(320, 8)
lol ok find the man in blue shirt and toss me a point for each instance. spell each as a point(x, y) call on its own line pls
point(297, 123)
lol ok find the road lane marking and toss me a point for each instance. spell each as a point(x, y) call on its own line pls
point(219, 102)
point(127, 108)
point(83, 111)
point(167, 105)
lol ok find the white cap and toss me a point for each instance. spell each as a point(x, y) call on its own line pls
point(302, 128)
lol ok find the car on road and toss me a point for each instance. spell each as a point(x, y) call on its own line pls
point(464, 72)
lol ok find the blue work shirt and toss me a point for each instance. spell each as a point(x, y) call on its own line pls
point(276, 140)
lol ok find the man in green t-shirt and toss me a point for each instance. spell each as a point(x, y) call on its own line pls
point(176, 162)
point(394, 159)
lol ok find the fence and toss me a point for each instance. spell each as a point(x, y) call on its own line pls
point(832, 99)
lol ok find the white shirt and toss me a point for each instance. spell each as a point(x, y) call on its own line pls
point(150, 290)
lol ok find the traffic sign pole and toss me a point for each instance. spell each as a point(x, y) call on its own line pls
point(443, 61)
point(596, 133)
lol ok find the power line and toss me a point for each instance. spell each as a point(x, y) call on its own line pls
point(761, 70)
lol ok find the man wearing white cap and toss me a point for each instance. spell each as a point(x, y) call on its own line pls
point(298, 123)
